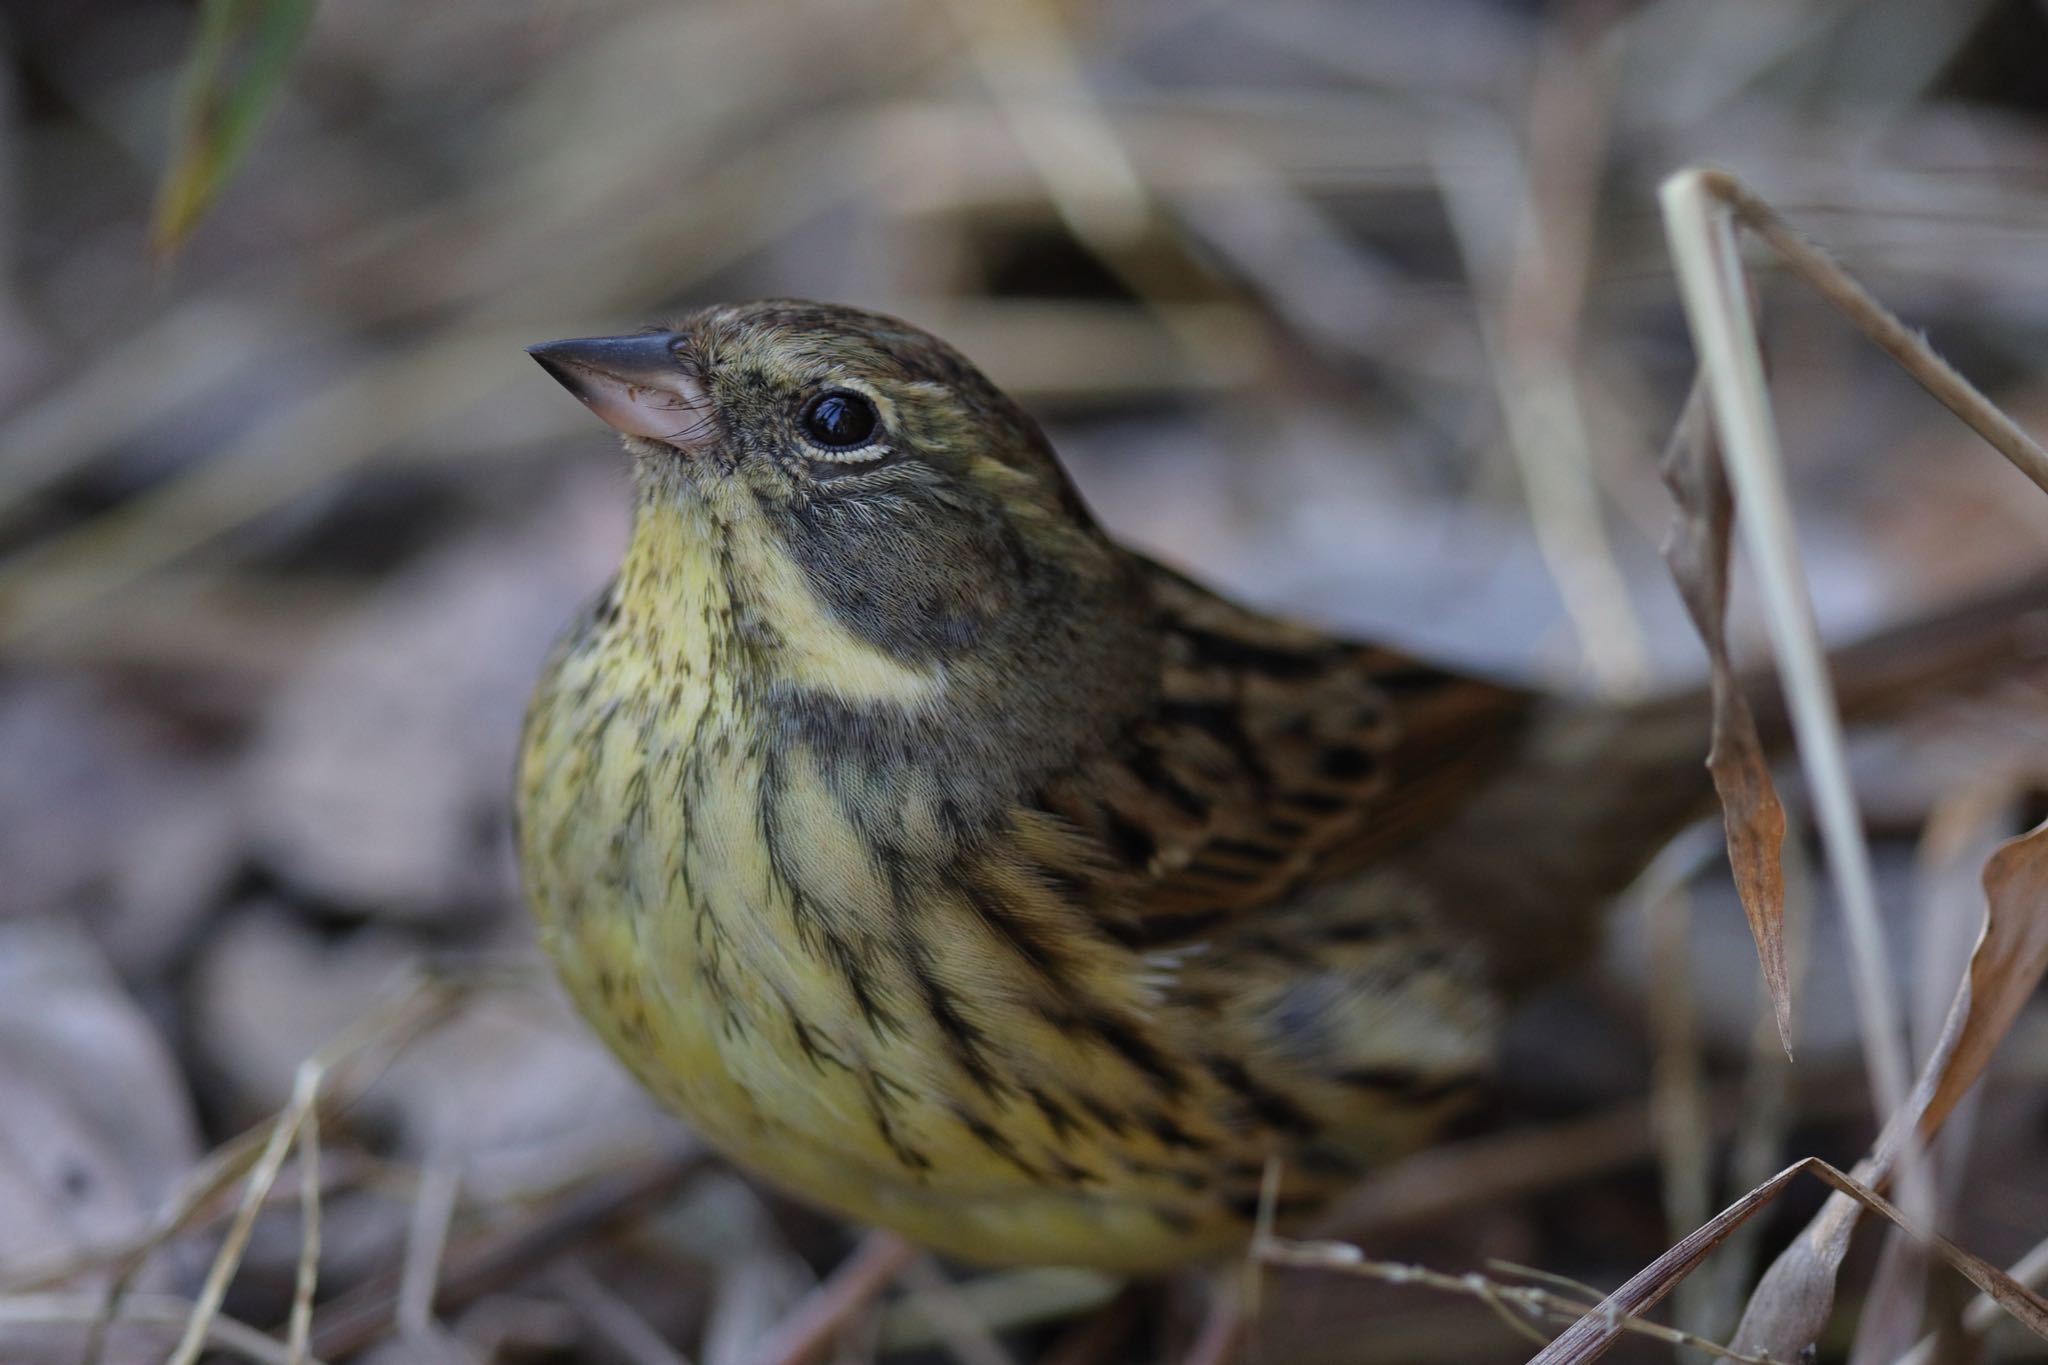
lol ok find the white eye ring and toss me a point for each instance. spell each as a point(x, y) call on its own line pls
point(842, 425)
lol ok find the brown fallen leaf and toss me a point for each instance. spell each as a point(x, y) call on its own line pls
point(1796, 1295)
point(1697, 554)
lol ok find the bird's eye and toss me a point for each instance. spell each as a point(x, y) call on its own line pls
point(839, 419)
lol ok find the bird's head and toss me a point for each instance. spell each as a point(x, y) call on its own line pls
point(923, 511)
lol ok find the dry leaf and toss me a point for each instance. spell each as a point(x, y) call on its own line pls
point(1959, 839)
point(2028, 1307)
point(1589, 1337)
point(2006, 965)
point(1796, 1295)
point(1751, 811)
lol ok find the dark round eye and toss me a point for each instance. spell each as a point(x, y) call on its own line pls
point(839, 419)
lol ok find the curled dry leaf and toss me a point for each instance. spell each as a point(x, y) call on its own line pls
point(1792, 1302)
point(2005, 966)
point(1753, 816)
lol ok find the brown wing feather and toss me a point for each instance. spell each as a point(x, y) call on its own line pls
point(1277, 757)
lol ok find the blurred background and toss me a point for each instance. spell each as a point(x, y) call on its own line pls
point(1359, 311)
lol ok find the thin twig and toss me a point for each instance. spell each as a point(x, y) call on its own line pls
point(392, 1025)
point(826, 1310)
point(1902, 343)
point(1520, 1306)
point(489, 1259)
point(145, 1310)
point(305, 1087)
point(1711, 281)
point(613, 1318)
point(964, 1333)
point(1984, 1313)
point(299, 1331)
point(426, 1243)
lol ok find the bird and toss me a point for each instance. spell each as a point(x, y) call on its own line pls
point(958, 869)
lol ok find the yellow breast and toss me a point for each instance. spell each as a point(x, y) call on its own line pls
point(745, 949)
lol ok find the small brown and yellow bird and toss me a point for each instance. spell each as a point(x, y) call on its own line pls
point(963, 871)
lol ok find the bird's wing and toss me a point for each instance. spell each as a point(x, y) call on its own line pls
point(1277, 758)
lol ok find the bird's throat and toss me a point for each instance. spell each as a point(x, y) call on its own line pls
point(716, 583)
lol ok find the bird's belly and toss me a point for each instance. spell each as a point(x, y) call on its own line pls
point(677, 929)
point(767, 1073)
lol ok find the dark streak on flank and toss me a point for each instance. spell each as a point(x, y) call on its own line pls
point(1057, 1116)
point(604, 610)
point(1039, 951)
point(1170, 1134)
point(910, 1157)
point(853, 973)
point(1266, 1105)
point(1068, 886)
point(1246, 1206)
point(780, 864)
point(807, 1041)
point(991, 1137)
point(1116, 1124)
point(1151, 1170)
point(965, 1041)
point(1129, 1043)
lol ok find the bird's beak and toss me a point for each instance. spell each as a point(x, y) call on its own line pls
point(634, 384)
